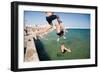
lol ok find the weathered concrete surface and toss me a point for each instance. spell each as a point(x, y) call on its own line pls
point(31, 53)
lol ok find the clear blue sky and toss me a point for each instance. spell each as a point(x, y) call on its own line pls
point(71, 20)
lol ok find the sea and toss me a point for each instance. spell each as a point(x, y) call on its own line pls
point(78, 40)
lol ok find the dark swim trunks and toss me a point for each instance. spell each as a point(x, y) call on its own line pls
point(51, 18)
point(61, 33)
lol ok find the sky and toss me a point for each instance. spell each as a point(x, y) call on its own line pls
point(70, 20)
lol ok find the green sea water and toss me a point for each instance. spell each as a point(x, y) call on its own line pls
point(78, 40)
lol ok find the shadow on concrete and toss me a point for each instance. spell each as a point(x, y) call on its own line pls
point(43, 56)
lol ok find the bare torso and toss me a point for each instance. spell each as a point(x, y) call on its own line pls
point(59, 27)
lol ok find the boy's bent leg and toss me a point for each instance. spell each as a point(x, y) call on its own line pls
point(58, 19)
point(67, 49)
